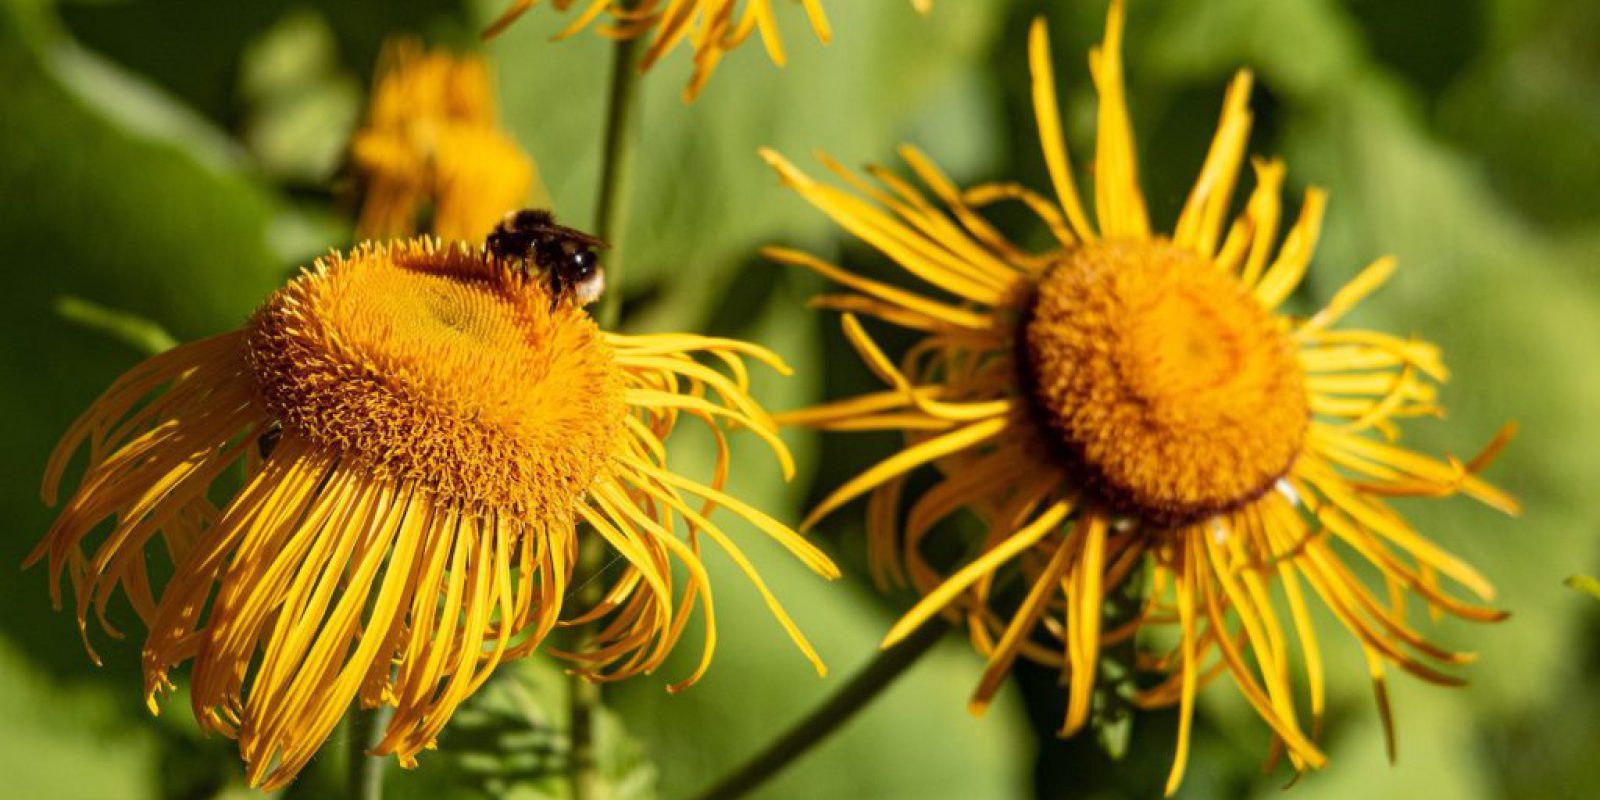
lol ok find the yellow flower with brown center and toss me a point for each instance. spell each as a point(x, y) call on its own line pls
point(711, 28)
point(1130, 398)
point(422, 431)
point(432, 146)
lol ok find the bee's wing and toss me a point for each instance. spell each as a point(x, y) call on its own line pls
point(581, 237)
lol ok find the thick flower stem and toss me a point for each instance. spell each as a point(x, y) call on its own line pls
point(366, 771)
point(839, 709)
point(616, 163)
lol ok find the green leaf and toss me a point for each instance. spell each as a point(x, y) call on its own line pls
point(1113, 712)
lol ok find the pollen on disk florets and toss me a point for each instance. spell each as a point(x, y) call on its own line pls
point(1172, 391)
point(435, 364)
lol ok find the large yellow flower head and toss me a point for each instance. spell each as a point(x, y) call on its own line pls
point(711, 28)
point(1132, 398)
point(422, 430)
point(432, 146)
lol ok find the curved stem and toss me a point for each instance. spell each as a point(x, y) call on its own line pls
point(366, 771)
point(616, 163)
point(839, 709)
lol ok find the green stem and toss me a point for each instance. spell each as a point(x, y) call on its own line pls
point(584, 698)
point(839, 709)
point(616, 163)
point(586, 702)
point(366, 771)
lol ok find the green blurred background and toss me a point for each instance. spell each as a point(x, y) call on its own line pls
point(164, 164)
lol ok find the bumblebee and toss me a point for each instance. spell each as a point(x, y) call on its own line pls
point(532, 238)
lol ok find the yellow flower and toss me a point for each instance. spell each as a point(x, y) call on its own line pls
point(422, 430)
point(1130, 398)
point(432, 144)
point(712, 28)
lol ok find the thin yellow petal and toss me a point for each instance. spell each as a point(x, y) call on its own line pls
point(1046, 523)
point(1119, 205)
point(1047, 112)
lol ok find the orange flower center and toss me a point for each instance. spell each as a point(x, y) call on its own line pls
point(433, 364)
point(1174, 393)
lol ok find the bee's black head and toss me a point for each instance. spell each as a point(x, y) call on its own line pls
point(582, 264)
point(576, 274)
point(567, 263)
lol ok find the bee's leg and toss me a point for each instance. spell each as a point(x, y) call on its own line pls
point(557, 288)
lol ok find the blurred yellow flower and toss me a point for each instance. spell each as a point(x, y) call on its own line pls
point(422, 429)
point(711, 28)
point(1129, 398)
point(432, 145)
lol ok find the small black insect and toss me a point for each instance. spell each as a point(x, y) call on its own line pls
point(567, 256)
point(268, 441)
